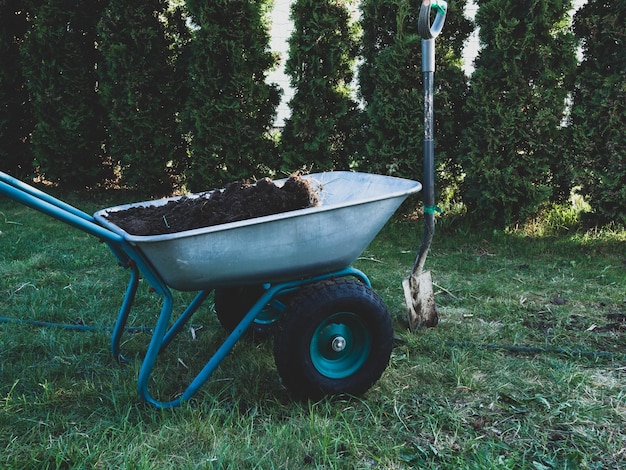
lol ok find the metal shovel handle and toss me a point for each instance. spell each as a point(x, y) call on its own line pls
point(425, 28)
point(428, 33)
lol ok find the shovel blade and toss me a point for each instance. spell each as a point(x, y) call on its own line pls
point(420, 301)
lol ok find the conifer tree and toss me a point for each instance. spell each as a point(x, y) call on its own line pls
point(598, 118)
point(15, 110)
point(324, 129)
point(515, 156)
point(60, 58)
point(391, 86)
point(230, 108)
point(139, 89)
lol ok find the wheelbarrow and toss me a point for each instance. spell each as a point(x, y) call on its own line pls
point(291, 271)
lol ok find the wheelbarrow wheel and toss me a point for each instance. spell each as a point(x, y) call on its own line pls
point(232, 304)
point(336, 338)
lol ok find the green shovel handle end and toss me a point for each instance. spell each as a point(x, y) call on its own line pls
point(440, 5)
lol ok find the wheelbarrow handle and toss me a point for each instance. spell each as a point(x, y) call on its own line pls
point(425, 28)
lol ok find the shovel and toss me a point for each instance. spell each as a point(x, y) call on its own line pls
point(418, 286)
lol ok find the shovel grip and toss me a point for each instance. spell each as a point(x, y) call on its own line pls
point(424, 26)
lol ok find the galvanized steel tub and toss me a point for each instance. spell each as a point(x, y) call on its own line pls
point(329, 237)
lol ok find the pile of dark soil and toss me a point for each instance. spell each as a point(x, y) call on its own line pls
point(237, 201)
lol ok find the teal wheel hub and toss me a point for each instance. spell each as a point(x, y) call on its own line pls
point(340, 345)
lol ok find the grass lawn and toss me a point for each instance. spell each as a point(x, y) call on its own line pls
point(526, 369)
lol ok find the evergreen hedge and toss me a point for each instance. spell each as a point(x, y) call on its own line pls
point(391, 86)
point(166, 91)
point(323, 131)
point(139, 88)
point(16, 120)
point(230, 108)
point(514, 152)
point(598, 119)
point(59, 62)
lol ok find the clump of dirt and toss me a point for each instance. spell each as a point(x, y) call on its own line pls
point(237, 201)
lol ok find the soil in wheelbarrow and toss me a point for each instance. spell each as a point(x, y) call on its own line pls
point(237, 201)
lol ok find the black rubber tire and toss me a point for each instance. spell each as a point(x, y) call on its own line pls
point(307, 365)
point(232, 304)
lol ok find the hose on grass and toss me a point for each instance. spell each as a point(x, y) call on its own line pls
point(451, 344)
point(538, 350)
point(71, 326)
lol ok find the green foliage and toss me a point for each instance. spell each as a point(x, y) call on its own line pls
point(166, 92)
point(59, 63)
point(391, 85)
point(324, 130)
point(393, 109)
point(557, 219)
point(15, 111)
point(515, 156)
point(230, 109)
point(598, 115)
point(138, 85)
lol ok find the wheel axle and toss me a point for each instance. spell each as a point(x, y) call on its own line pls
point(338, 343)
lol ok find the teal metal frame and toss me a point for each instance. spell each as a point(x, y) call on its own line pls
point(131, 258)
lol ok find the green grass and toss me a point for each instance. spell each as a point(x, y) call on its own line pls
point(460, 395)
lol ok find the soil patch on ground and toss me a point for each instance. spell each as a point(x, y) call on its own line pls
point(237, 201)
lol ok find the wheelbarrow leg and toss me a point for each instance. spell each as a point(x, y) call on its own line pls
point(127, 303)
point(228, 344)
point(184, 317)
point(159, 341)
point(153, 351)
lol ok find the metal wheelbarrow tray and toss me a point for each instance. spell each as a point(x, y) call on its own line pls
point(291, 269)
point(330, 236)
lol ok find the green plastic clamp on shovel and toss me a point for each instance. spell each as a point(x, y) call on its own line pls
point(418, 286)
